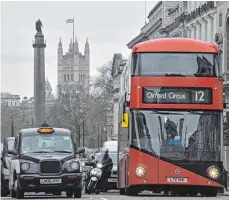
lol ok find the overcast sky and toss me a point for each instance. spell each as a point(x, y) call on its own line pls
point(109, 26)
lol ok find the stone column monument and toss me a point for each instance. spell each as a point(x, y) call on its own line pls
point(39, 76)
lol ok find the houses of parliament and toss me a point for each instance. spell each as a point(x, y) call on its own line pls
point(73, 66)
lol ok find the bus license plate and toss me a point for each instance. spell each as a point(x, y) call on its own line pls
point(177, 180)
point(50, 181)
point(112, 180)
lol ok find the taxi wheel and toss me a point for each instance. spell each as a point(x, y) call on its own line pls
point(69, 194)
point(19, 192)
point(13, 193)
point(4, 192)
point(77, 193)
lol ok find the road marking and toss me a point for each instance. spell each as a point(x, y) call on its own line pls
point(103, 198)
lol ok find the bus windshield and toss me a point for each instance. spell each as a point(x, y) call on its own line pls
point(178, 135)
point(176, 64)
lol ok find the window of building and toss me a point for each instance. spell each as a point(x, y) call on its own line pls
point(220, 19)
point(64, 77)
point(185, 5)
point(68, 77)
point(71, 77)
point(11, 103)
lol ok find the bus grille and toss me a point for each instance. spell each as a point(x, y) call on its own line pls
point(50, 166)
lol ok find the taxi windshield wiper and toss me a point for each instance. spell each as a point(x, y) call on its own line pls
point(175, 75)
point(40, 152)
point(63, 151)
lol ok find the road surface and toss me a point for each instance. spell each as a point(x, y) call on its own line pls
point(116, 196)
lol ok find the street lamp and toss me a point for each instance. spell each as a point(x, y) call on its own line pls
point(83, 133)
point(105, 130)
point(12, 126)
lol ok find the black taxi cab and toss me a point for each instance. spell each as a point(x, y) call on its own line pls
point(45, 160)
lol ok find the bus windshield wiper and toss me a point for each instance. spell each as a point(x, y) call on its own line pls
point(201, 113)
point(175, 75)
point(165, 112)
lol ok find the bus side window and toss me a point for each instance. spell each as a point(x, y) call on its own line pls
point(133, 138)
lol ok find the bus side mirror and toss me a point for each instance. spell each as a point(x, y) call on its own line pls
point(125, 120)
point(224, 105)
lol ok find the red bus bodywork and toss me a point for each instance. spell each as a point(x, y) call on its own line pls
point(156, 169)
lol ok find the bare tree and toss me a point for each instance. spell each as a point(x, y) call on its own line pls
point(103, 85)
point(72, 109)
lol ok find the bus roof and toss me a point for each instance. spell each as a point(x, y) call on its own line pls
point(175, 45)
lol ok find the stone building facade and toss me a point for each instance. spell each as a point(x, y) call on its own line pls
point(222, 39)
point(73, 66)
point(118, 64)
point(177, 15)
point(159, 18)
point(9, 99)
point(201, 20)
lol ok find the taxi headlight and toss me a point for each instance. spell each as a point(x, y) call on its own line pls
point(74, 165)
point(25, 166)
point(140, 171)
point(213, 172)
point(99, 165)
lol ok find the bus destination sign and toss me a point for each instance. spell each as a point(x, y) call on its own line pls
point(177, 95)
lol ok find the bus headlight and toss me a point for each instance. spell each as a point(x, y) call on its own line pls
point(140, 171)
point(25, 166)
point(213, 172)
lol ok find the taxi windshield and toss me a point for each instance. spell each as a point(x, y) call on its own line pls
point(46, 143)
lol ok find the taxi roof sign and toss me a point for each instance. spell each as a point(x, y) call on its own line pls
point(46, 130)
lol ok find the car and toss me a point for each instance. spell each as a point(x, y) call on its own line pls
point(112, 147)
point(45, 160)
point(5, 164)
point(112, 180)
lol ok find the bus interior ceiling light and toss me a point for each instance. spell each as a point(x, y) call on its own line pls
point(140, 171)
point(213, 172)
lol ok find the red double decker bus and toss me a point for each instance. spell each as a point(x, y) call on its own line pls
point(170, 119)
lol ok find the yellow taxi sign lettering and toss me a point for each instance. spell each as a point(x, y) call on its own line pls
point(125, 120)
point(45, 130)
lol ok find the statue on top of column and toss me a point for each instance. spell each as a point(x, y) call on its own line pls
point(38, 26)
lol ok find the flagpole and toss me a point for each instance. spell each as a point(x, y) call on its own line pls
point(73, 32)
point(145, 12)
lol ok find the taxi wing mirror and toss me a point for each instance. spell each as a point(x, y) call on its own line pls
point(12, 151)
point(80, 150)
point(125, 120)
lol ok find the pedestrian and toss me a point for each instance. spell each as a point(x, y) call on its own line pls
point(225, 175)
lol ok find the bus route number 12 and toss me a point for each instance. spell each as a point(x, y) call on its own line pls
point(199, 96)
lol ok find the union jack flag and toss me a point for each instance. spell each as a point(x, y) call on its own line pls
point(70, 21)
point(64, 60)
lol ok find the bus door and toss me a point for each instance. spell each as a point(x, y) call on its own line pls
point(143, 154)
